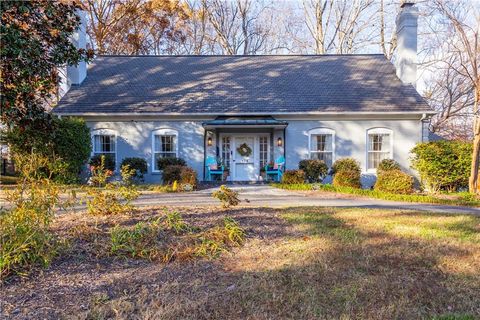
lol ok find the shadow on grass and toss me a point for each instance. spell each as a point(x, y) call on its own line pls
point(331, 268)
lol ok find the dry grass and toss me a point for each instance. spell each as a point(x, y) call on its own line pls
point(297, 263)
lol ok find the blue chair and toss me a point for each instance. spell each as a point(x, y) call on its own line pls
point(211, 161)
point(278, 172)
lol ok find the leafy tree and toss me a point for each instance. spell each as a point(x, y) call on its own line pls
point(36, 41)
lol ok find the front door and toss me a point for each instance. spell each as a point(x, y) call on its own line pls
point(244, 161)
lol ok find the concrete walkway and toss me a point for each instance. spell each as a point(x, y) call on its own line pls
point(267, 196)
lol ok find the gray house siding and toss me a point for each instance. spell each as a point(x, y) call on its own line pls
point(134, 139)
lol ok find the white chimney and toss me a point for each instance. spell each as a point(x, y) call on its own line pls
point(406, 58)
point(76, 74)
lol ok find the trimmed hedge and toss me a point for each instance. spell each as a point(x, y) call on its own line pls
point(346, 173)
point(315, 170)
point(394, 181)
point(346, 164)
point(347, 178)
point(188, 176)
point(443, 165)
point(181, 174)
point(293, 177)
point(388, 164)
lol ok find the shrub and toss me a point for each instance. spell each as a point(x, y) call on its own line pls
point(113, 199)
point(162, 163)
point(443, 165)
point(188, 179)
point(346, 164)
point(227, 196)
point(293, 177)
point(394, 181)
point(347, 178)
point(100, 174)
point(67, 139)
point(172, 173)
point(138, 164)
point(24, 229)
point(128, 174)
point(387, 165)
point(109, 162)
point(315, 170)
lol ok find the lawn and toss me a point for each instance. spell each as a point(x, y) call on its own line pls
point(458, 198)
point(295, 263)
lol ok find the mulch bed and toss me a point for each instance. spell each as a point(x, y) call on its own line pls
point(77, 279)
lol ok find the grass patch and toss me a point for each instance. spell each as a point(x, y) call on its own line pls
point(297, 263)
point(459, 199)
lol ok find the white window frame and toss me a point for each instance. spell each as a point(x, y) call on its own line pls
point(320, 131)
point(373, 131)
point(104, 132)
point(163, 132)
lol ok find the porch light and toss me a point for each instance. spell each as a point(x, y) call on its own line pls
point(209, 141)
point(279, 142)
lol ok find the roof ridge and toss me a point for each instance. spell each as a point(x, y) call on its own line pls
point(239, 55)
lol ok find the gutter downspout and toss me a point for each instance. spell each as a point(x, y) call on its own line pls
point(422, 120)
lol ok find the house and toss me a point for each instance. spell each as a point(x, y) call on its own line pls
point(297, 106)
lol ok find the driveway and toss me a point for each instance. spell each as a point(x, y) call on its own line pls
point(267, 196)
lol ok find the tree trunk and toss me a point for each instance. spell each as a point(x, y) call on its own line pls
point(473, 181)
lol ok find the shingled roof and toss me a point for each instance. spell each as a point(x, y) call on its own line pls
point(241, 85)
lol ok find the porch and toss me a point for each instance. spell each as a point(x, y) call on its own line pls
point(243, 146)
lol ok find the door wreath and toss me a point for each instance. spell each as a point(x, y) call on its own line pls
point(244, 150)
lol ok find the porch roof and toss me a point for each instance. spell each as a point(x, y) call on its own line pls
point(245, 122)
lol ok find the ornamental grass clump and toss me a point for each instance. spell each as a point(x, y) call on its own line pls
point(25, 237)
point(113, 198)
point(227, 196)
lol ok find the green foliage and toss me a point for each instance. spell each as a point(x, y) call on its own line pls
point(218, 239)
point(24, 229)
point(111, 200)
point(175, 222)
point(40, 33)
point(388, 164)
point(139, 242)
point(461, 199)
point(137, 164)
point(99, 173)
point(443, 165)
point(315, 170)
point(67, 139)
point(227, 196)
point(394, 181)
point(293, 176)
point(347, 178)
point(73, 144)
point(346, 173)
point(171, 174)
point(108, 162)
point(346, 164)
point(162, 163)
point(127, 174)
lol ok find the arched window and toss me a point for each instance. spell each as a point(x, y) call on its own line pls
point(379, 146)
point(321, 145)
point(164, 145)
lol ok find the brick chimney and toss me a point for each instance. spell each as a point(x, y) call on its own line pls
point(406, 57)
